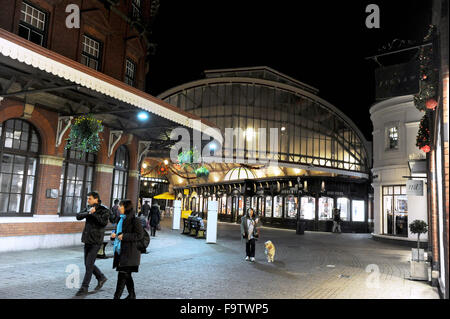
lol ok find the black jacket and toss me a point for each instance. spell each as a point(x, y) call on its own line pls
point(94, 229)
point(154, 216)
point(133, 232)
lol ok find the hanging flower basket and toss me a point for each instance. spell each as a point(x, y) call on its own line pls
point(84, 134)
point(202, 172)
point(189, 159)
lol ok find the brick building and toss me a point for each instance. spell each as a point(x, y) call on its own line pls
point(49, 75)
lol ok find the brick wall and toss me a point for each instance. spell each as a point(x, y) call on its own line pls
point(96, 21)
point(28, 229)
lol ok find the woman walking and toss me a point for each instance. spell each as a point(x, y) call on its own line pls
point(127, 257)
point(250, 232)
point(155, 218)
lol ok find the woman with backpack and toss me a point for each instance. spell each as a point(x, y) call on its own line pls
point(127, 254)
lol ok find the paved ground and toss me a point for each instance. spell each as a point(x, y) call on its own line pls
point(315, 265)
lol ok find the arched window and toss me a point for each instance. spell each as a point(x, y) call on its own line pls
point(120, 176)
point(76, 181)
point(19, 150)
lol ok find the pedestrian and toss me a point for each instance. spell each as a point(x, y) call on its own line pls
point(336, 220)
point(115, 214)
point(155, 218)
point(127, 256)
point(145, 209)
point(96, 216)
point(249, 231)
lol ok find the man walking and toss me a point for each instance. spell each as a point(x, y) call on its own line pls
point(336, 220)
point(97, 217)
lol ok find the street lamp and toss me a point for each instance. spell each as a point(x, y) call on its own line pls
point(143, 116)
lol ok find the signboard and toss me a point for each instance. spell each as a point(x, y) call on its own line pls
point(186, 192)
point(176, 214)
point(211, 227)
point(186, 213)
point(414, 187)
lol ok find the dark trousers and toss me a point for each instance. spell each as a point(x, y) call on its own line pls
point(153, 230)
point(90, 254)
point(124, 279)
point(250, 247)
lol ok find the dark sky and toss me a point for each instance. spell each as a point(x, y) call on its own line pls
point(321, 43)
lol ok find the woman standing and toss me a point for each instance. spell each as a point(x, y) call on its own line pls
point(127, 257)
point(250, 232)
point(155, 218)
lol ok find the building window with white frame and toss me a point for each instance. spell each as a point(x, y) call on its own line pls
point(130, 72)
point(392, 138)
point(91, 54)
point(33, 24)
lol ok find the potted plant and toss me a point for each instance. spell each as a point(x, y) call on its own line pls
point(84, 134)
point(419, 268)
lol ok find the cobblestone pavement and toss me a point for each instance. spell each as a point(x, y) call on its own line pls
point(316, 265)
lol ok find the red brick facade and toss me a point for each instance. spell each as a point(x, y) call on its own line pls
point(49, 173)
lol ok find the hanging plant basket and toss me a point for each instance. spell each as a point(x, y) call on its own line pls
point(84, 134)
point(202, 172)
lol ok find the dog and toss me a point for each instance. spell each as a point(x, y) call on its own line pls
point(269, 251)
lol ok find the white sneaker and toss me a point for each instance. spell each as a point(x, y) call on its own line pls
point(252, 259)
point(247, 258)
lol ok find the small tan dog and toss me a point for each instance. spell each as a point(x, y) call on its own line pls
point(269, 251)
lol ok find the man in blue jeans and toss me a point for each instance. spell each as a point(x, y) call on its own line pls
point(96, 216)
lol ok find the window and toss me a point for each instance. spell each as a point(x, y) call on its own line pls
point(278, 207)
point(223, 206)
point(120, 174)
point(395, 210)
point(358, 211)
point(308, 208)
point(136, 8)
point(325, 208)
point(343, 204)
point(392, 138)
point(268, 206)
point(291, 206)
point(19, 146)
point(91, 53)
point(76, 181)
point(32, 25)
point(130, 72)
point(229, 202)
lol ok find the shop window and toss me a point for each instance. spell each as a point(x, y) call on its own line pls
point(76, 181)
point(120, 174)
point(33, 24)
point(395, 210)
point(358, 211)
point(278, 207)
point(325, 208)
point(223, 205)
point(241, 205)
point(19, 151)
point(229, 201)
point(268, 212)
point(291, 206)
point(343, 204)
point(308, 208)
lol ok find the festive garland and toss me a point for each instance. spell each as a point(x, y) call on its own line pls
point(84, 134)
point(423, 140)
point(428, 81)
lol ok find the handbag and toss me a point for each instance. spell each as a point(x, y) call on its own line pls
point(158, 227)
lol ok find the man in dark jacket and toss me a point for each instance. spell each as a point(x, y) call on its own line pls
point(97, 217)
point(145, 209)
point(155, 218)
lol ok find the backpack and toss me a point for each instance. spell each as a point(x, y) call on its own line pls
point(144, 242)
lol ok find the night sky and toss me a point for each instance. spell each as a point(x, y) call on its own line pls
point(321, 43)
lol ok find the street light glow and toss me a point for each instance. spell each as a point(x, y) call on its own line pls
point(143, 116)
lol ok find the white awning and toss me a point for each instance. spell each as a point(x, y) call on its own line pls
point(26, 52)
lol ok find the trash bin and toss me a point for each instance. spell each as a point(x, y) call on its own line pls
point(301, 228)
